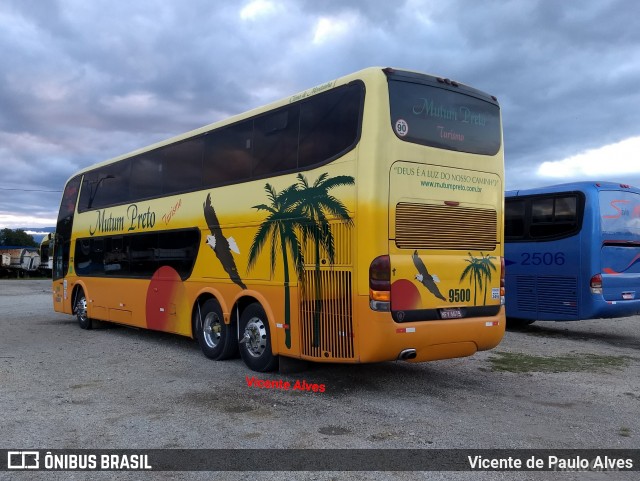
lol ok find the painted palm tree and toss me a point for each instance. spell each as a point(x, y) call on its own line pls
point(487, 267)
point(280, 227)
point(474, 272)
point(315, 205)
point(479, 273)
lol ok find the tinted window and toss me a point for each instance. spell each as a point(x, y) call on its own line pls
point(142, 254)
point(541, 210)
point(89, 256)
point(178, 250)
point(543, 216)
point(443, 118)
point(276, 142)
point(329, 124)
point(229, 155)
point(300, 135)
point(64, 227)
point(108, 185)
point(137, 255)
point(146, 176)
point(182, 166)
point(565, 209)
point(514, 219)
point(553, 216)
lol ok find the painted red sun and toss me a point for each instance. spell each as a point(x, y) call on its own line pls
point(163, 294)
point(404, 295)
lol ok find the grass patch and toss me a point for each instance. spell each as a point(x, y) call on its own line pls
point(624, 432)
point(518, 362)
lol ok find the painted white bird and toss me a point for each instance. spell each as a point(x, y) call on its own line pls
point(426, 279)
point(220, 244)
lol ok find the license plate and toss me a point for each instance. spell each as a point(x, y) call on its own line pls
point(628, 296)
point(451, 313)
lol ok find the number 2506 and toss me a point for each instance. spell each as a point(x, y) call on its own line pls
point(542, 258)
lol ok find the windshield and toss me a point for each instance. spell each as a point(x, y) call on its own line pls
point(444, 118)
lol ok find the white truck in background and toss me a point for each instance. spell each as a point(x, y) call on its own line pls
point(19, 261)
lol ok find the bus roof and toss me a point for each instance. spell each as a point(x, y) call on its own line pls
point(572, 186)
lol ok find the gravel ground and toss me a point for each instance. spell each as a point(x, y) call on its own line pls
point(577, 386)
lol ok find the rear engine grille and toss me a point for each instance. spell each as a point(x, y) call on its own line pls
point(526, 293)
point(329, 333)
point(547, 294)
point(558, 295)
point(424, 226)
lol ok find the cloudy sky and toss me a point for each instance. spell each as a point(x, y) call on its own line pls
point(82, 81)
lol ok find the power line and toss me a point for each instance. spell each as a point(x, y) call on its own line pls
point(29, 190)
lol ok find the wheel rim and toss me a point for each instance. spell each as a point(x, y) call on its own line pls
point(81, 309)
point(211, 329)
point(256, 337)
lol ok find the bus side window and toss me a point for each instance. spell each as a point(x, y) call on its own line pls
point(276, 142)
point(228, 154)
point(178, 250)
point(116, 256)
point(142, 254)
point(146, 176)
point(182, 166)
point(566, 209)
point(514, 219)
point(553, 216)
point(329, 124)
point(106, 186)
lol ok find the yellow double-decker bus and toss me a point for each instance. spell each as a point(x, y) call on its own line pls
point(357, 221)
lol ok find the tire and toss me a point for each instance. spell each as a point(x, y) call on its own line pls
point(255, 340)
point(216, 339)
point(80, 310)
point(514, 323)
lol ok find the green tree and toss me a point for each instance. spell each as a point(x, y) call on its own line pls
point(17, 237)
point(315, 204)
point(280, 228)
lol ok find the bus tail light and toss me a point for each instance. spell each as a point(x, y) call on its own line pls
point(502, 274)
point(380, 284)
point(596, 284)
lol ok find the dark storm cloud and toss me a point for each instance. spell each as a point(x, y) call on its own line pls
point(81, 81)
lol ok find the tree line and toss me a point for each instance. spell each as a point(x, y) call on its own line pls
point(16, 237)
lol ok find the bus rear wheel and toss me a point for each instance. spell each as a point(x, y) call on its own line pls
point(216, 339)
point(515, 323)
point(255, 340)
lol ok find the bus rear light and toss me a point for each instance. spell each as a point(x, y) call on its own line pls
point(380, 296)
point(380, 284)
point(596, 284)
point(502, 274)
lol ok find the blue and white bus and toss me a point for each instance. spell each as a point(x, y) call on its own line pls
point(572, 252)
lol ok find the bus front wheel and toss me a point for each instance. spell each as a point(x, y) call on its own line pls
point(81, 311)
point(255, 340)
point(216, 339)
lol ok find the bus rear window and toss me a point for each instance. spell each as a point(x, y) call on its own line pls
point(442, 118)
point(620, 213)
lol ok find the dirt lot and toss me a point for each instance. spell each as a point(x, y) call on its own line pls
point(552, 385)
